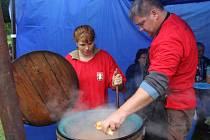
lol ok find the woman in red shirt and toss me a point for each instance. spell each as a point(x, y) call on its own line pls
point(96, 70)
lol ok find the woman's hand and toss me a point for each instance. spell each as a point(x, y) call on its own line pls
point(116, 79)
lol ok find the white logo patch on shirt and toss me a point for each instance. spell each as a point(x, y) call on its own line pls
point(100, 76)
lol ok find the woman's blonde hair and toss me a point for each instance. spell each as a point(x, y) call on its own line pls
point(84, 33)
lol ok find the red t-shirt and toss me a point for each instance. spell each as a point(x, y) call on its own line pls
point(95, 77)
point(174, 53)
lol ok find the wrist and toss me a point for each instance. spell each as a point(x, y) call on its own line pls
point(122, 113)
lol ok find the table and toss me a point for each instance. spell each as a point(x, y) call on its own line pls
point(203, 99)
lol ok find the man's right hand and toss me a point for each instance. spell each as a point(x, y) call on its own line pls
point(113, 121)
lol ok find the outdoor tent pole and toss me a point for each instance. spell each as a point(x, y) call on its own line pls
point(10, 114)
point(13, 26)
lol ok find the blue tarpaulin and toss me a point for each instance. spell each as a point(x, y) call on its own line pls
point(44, 26)
point(49, 25)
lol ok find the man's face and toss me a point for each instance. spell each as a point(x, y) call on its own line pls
point(86, 48)
point(147, 23)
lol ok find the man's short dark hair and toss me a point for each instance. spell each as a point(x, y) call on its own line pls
point(143, 7)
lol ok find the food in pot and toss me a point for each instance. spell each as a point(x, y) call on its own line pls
point(98, 126)
point(109, 132)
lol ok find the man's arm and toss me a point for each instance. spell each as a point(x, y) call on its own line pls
point(154, 85)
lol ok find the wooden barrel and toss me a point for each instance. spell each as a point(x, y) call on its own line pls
point(46, 84)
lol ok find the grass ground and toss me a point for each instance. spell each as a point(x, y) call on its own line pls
point(1, 132)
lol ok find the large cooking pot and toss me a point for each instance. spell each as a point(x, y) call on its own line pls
point(81, 126)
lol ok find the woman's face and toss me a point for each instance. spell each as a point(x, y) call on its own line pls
point(86, 48)
point(142, 59)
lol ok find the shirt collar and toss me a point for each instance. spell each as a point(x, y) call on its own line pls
point(75, 54)
point(167, 16)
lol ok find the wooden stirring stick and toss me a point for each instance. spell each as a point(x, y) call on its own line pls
point(117, 97)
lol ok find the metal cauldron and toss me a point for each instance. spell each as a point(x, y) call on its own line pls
point(81, 126)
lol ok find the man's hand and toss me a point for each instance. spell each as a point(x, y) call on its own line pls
point(113, 122)
point(116, 79)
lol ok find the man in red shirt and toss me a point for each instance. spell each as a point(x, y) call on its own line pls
point(173, 60)
point(96, 70)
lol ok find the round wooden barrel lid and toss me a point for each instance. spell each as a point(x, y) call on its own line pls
point(46, 85)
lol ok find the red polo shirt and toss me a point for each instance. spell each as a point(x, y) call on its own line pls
point(174, 53)
point(95, 77)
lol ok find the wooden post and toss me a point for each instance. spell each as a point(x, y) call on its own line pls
point(13, 26)
point(10, 114)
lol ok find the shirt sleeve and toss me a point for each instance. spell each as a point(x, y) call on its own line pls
point(68, 57)
point(155, 84)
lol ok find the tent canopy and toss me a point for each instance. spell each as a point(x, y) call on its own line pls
point(47, 25)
